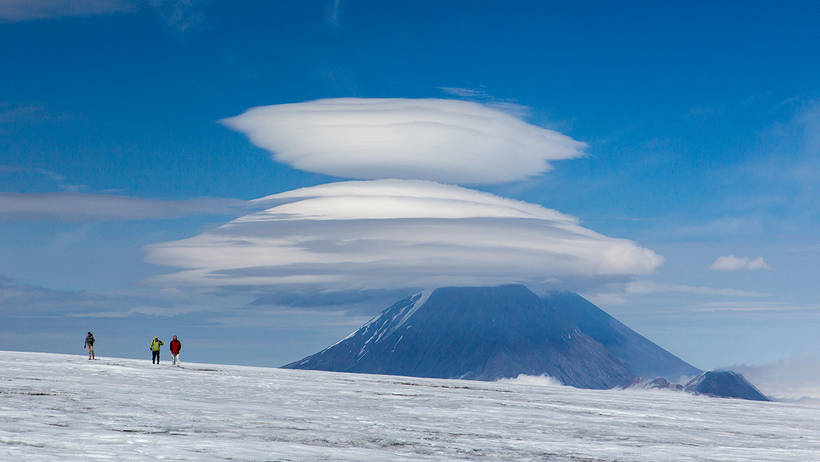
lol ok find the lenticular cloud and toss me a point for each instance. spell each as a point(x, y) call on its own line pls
point(397, 234)
point(441, 140)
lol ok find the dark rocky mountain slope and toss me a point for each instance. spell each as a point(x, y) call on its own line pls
point(724, 384)
point(640, 355)
point(487, 333)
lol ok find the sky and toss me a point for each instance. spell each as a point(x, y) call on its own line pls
point(260, 178)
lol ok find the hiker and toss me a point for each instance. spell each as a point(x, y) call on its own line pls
point(154, 347)
point(175, 346)
point(89, 343)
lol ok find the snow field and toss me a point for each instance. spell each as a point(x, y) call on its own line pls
point(63, 407)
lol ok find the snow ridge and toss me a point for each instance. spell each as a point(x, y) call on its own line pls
point(418, 300)
point(398, 317)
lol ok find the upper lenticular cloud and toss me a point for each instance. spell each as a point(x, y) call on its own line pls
point(433, 139)
point(395, 234)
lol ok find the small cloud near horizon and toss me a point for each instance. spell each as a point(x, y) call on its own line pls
point(790, 379)
point(620, 293)
point(734, 263)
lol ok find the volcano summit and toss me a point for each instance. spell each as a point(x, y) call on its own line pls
point(488, 333)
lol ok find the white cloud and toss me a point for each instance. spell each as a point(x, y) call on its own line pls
point(722, 227)
point(177, 14)
point(792, 379)
point(299, 318)
point(619, 293)
point(733, 263)
point(23, 300)
point(434, 139)
point(465, 92)
point(68, 206)
point(54, 178)
point(481, 95)
point(22, 10)
point(754, 307)
point(651, 287)
point(333, 16)
point(397, 233)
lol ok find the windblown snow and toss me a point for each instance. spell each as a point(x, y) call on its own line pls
point(62, 407)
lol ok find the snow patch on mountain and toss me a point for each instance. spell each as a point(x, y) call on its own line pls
point(418, 300)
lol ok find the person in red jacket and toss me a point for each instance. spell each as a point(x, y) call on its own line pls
point(176, 346)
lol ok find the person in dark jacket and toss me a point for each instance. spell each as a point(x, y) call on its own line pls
point(176, 347)
point(154, 347)
point(89, 343)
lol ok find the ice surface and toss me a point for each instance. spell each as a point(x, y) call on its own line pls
point(62, 407)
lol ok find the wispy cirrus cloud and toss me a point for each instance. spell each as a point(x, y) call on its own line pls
point(643, 287)
point(753, 307)
point(334, 13)
point(620, 292)
point(761, 201)
point(433, 139)
point(29, 113)
point(465, 92)
point(390, 234)
point(177, 14)
point(19, 299)
point(481, 95)
point(792, 379)
point(23, 10)
point(56, 179)
point(74, 207)
point(733, 263)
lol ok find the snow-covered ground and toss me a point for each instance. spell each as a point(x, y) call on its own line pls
point(61, 407)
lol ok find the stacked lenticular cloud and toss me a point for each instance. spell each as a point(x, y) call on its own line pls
point(400, 229)
point(428, 139)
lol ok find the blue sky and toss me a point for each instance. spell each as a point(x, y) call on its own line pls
point(701, 124)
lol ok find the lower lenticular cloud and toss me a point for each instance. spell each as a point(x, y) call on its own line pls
point(396, 234)
point(435, 139)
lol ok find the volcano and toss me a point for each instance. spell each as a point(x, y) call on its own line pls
point(488, 333)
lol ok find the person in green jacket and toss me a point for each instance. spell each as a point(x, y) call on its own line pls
point(154, 347)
